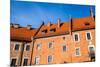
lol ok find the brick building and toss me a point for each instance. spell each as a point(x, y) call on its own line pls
point(62, 42)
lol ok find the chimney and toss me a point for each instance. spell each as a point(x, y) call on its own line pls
point(91, 12)
point(59, 21)
point(29, 27)
point(11, 24)
point(16, 25)
point(48, 24)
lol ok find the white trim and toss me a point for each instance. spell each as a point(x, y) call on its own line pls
point(90, 36)
point(79, 51)
point(78, 37)
point(35, 59)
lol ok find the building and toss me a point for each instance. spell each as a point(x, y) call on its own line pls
point(63, 42)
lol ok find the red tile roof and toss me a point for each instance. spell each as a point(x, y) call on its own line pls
point(83, 23)
point(51, 30)
point(21, 34)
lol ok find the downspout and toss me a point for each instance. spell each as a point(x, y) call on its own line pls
point(33, 40)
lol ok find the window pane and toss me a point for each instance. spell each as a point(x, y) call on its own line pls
point(13, 62)
point(50, 45)
point(88, 36)
point(38, 46)
point(49, 59)
point(37, 59)
point(91, 49)
point(76, 37)
point(77, 51)
point(17, 47)
point(27, 47)
point(25, 62)
point(64, 48)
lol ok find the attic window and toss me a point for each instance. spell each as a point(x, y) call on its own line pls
point(44, 31)
point(87, 24)
point(52, 30)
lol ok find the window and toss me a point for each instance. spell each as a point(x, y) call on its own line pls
point(50, 45)
point(76, 37)
point(91, 49)
point(87, 23)
point(16, 46)
point(44, 31)
point(13, 62)
point(77, 51)
point(52, 30)
point(64, 48)
point(49, 59)
point(37, 60)
point(27, 47)
point(88, 36)
point(38, 46)
point(25, 62)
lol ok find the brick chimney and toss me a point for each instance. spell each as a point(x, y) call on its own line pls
point(16, 25)
point(59, 21)
point(48, 24)
point(29, 27)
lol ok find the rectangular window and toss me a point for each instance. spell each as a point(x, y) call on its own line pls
point(50, 45)
point(52, 30)
point(44, 31)
point(49, 59)
point(27, 47)
point(77, 51)
point(88, 36)
point(37, 60)
point(64, 48)
point(13, 62)
point(16, 46)
point(76, 37)
point(38, 46)
point(25, 62)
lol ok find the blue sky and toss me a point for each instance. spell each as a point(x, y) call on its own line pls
point(35, 13)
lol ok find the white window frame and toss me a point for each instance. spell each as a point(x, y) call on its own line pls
point(51, 59)
point(26, 45)
point(25, 58)
point(90, 36)
point(52, 45)
point(78, 37)
point(79, 51)
point(39, 47)
point(14, 58)
point(36, 60)
point(15, 45)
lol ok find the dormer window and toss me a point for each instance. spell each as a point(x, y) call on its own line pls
point(44, 31)
point(52, 30)
point(87, 24)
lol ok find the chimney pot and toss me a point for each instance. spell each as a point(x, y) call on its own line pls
point(16, 25)
point(59, 21)
point(29, 27)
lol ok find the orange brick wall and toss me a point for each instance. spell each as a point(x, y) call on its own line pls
point(58, 55)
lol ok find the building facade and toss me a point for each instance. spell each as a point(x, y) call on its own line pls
point(62, 42)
